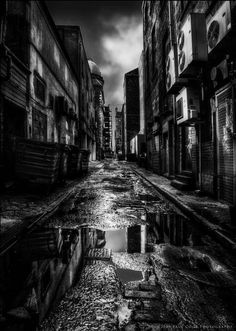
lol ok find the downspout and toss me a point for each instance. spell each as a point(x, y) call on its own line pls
point(174, 45)
point(200, 134)
point(4, 53)
point(233, 81)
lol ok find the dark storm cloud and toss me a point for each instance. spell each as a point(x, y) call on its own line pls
point(112, 34)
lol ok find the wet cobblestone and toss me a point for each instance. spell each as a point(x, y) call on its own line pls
point(91, 304)
point(161, 298)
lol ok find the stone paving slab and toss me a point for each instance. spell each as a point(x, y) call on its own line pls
point(98, 254)
point(150, 327)
point(160, 316)
point(147, 286)
point(134, 294)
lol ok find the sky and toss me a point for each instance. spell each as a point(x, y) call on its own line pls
point(112, 35)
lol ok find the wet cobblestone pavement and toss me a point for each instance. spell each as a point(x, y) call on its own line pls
point(146, 267)
point(91, 304)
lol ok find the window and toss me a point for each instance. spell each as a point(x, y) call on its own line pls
point(39, 87)
point(39, 125)
point(179, 108)
point(50, 101)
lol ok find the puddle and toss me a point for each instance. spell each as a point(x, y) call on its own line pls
point(46, 262)
point(37, 273)
point(172, 228)
point(128, 275)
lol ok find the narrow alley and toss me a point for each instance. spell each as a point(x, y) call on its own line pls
point(117, 165)
point(145, 266)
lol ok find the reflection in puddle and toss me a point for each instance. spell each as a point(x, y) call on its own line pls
point(160, 228)
point(44, 264)
point(128, 275)
point(36, 274)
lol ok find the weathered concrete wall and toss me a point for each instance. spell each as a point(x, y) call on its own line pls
point(49, 62)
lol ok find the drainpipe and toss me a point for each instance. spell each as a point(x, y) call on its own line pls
point(3, 50)
point(174, 45)
point(233, 82)
point(200, 134)
point(3, 18)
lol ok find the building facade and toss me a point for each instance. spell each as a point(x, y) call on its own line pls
point(54, 93)
point(73, 41)
point(39, 87)
point(99, 102)
point(107, 130)
point(189, 94)
point(119, 132)
point(131, 108)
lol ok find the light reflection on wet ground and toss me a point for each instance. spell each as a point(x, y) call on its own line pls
point(125, 226)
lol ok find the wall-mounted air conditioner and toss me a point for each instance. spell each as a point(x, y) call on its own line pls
point(219, 26)
point(192, 44)
point(220, 73)
point(187, 106)
point(173, 82)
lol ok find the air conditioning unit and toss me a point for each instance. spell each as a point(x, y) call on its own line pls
point(220, 73)
point(192, 44)
point(219, 26)
point(187, 106)
point(173, 82)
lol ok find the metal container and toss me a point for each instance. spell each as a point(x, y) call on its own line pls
point(63, 162)
point(73, 161)
point(84, 160)
point(37, 162)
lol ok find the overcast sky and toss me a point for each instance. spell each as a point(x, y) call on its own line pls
point(112, 34)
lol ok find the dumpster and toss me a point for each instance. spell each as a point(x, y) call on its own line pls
point(37, 162)
point(74, 159)
point(63, 162)
point(84, 160)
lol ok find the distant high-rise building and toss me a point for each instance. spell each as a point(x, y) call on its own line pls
point(119, 141)
point(107, 133)
point(131, 108)
point(99, 102)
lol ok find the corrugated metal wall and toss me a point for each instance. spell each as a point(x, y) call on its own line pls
point(225, 146)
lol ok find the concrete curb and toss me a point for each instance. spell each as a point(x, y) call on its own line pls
point(213, 230)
